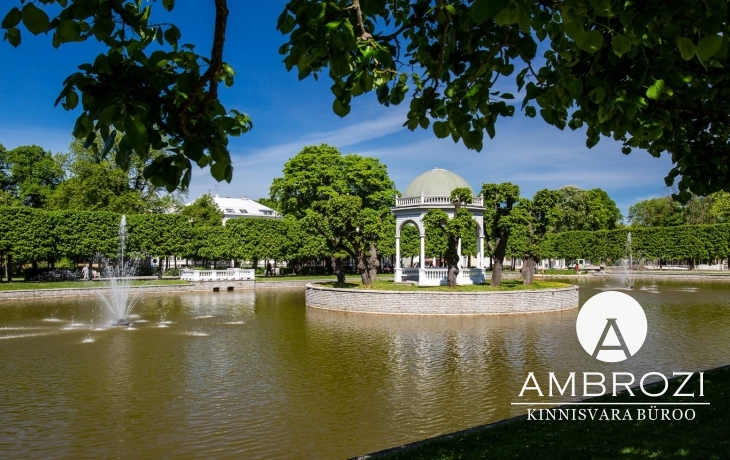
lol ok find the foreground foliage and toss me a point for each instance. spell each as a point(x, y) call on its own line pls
point(705, 437)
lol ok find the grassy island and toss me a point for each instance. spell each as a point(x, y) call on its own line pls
point(506, 285)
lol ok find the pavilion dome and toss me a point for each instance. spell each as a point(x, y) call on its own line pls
point(436, 182)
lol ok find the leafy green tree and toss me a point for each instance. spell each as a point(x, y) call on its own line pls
point(585, 210)
point(656, 212)
point(319, 176)
point(720, 209)
point(158, 235)
point(160, 94)
point(34, 174)
point(204, 212)
point(499, 201)
point(352, 230)
point(410, 241)
point(454, 229)
point(648, 74)
point(533, 219)
point(95, 182)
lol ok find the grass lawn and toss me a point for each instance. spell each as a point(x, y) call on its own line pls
point(705, 437)
point(389, 285)
point(35, 285)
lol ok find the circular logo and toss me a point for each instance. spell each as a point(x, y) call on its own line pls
point(611, 326)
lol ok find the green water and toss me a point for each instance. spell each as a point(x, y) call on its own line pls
point(258, 375)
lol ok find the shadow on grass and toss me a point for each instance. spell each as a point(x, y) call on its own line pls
point(707, 436)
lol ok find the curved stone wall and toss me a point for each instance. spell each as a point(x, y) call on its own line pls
point(441, 303)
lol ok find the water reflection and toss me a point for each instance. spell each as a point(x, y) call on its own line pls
point(258, 375)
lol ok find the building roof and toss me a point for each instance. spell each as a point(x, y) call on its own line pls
point(436, 182)
point(242, 207)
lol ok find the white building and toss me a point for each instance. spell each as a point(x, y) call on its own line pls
point(234, 208)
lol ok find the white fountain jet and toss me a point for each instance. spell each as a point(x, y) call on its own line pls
point(627, 276)
point(120, 298)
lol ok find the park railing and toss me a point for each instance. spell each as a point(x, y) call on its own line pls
point(232, 274)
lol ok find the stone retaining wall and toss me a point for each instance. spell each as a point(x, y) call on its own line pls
point(441, 303)
point(285, 284)
point(96, 291)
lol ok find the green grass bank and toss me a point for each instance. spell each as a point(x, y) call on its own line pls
point(705, 437)
point(506, 285)
point(35, 285)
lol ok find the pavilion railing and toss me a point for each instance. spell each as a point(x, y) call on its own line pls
point(432, 200)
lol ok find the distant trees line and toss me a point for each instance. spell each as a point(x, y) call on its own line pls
point(35, 236)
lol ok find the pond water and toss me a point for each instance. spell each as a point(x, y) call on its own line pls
point(259, 375)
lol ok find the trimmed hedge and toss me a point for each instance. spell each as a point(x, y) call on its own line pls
point(682, 242)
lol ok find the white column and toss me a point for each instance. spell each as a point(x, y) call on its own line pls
point(423, 251)
point(480, 252)
point(397, 252)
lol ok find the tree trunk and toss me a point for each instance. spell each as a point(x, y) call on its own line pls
point(528, 270)
point(452, 261)
point(255, 262)
point(339, 269)
point(497, 271)
point(8, 268)
point(367, 265)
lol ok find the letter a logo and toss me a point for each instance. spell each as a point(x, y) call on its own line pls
point(611, 326)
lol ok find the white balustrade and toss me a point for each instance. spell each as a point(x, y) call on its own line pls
point(432, 200)
point(232, 274)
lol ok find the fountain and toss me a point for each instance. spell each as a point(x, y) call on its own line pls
point(626, 274)
point(119, 299)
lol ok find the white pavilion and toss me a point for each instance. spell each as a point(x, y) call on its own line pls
point(430, 190)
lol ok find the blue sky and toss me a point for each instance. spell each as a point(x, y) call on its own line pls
point(289, 114)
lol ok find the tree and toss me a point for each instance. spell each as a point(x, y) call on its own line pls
point(204, 212)
point(95, 182)
point(145, 85)
point(410, 241)
point(453, 229)
point(648, 74)
point(534, 219)
point(351, 230)
point(656, 212)
point(340, 198)
point(720, 209)
point(585, 210)
point(34, 174)
point(499, 200)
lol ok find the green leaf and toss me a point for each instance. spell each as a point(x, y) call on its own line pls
point(590, 42)
point(12, 19)
point(597, 95)
point(620, 44)
point(136, 131)
point(13, 36)
point(220, 170)
point(482, 10)
point(708, 46)
point(35, 19)
point(69, 30)
point(530, 111)
point(686, 48)
point(655, 90)
point(441, 129)
point(72, 100)
point(168, 4)
point(340, 109)
point(172, 35)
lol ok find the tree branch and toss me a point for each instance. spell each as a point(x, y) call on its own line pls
point(364, 34)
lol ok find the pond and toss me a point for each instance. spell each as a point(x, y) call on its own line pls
point(259, 375)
